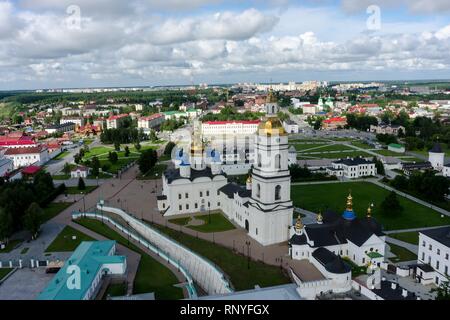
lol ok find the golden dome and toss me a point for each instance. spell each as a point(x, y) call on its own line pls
point(271, 98)
point(298, 224)
point(369, 211)
point(272, 126)
point(197, 145)
point(249, 179)
point(319, 218)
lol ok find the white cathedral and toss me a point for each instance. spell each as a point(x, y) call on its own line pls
point(263, 207)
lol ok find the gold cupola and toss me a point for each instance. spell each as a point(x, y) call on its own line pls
point(271, 127)
point(350, 202)
point(299, 224)
point(369, 211)
point(320, 218)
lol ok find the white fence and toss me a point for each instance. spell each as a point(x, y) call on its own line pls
point(193, 266)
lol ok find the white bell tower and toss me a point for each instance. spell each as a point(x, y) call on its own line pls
point(271, 208)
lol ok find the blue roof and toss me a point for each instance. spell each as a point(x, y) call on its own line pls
point(90, 256)
point(349, 215)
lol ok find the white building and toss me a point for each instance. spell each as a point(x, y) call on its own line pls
point(263, 207)
point(290, 126)
point(115, 122)
point(310, 108)
point(150, 122)
point(434, 256)
point(436, 157)
point(79, 172)
point(446, 170)
point(215, 128)
point(352, 168)
point(61, 128)
point(359, 240)
point(78, 121)
point(24, 157)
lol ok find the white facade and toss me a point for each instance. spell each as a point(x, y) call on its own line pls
point(150, 122)
point(24, 157)
point(214, 128)
point(437, 158)
point(78, 121)
point(352, 168)
point(79, 172)
point(290, 126)
point(115, 122)
point(446, 171)
point(434, 251)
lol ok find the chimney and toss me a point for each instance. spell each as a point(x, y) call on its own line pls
point(393, 285)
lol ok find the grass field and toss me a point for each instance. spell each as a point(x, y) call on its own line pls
point(53, 209)
point(233, 264)
point(62, 155)
point(96, 151)
point(401, 253)
point(218, 223)
point(64, 242)
point(75, 190)
point(116, 290)
point(4, 272)
point(410, 237)
point(388, 153)
point(151, 275)
point(307, 146)
point(334, 155)
point(114, 168)
point(361, 145)
point(10, 246)
point(333, 196)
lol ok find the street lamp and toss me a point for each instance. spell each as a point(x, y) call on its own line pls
point(248, 253)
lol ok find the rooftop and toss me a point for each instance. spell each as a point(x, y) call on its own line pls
point(90, 256)
point(441, 235)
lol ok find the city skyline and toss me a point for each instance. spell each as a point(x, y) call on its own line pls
point(60, 44)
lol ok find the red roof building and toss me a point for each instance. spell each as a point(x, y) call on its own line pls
point(334, 123)
point(31, 170)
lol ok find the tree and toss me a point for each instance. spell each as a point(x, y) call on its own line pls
point(391, 205)
point(112, 157)
point(138, 146)
point(127, 151)
point(81, 184)
point(153, 136)
point(6, 225)
point(32, 219)
point(66, 168)
point(379, 165)
point(117, 146)
point(443, 291)
point(147, 160)
point(169, 147)
point(95, 164)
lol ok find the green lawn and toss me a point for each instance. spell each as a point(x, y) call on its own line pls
point(180, 221)
point(157, 169)
point(388, 153)
point(4, 272)
point(96, 151)
point(233, 264)
point(53, 209)
point(114, 168)
point(75, 190)
point(401, 253)
point(61, 177)
point(361, 145)
point(333, 196)
point(410, 237)
point(64, 242)
point(116, 290)
point(335, 155)
point(216, 222)
point(151, 275)
point(306, 146)
point(24, 250)
point(62, 155)
point(334, 147)
point(10, 246)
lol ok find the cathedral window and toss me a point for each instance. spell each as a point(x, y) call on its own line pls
point(278, 193)
point(207, 193)
point(179, 196)
point(186, 195)
point(258, 190)
point(201, 194)
point(259, 160)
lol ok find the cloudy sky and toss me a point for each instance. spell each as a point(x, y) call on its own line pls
point(82, 43)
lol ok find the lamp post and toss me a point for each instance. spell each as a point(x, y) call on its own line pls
point(248, 253)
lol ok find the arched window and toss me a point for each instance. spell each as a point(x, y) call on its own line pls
point(258, 190)
point(278, 193)
point(278, 161)
point(259, 160)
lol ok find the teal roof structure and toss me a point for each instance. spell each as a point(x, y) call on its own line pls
point(90, 257)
